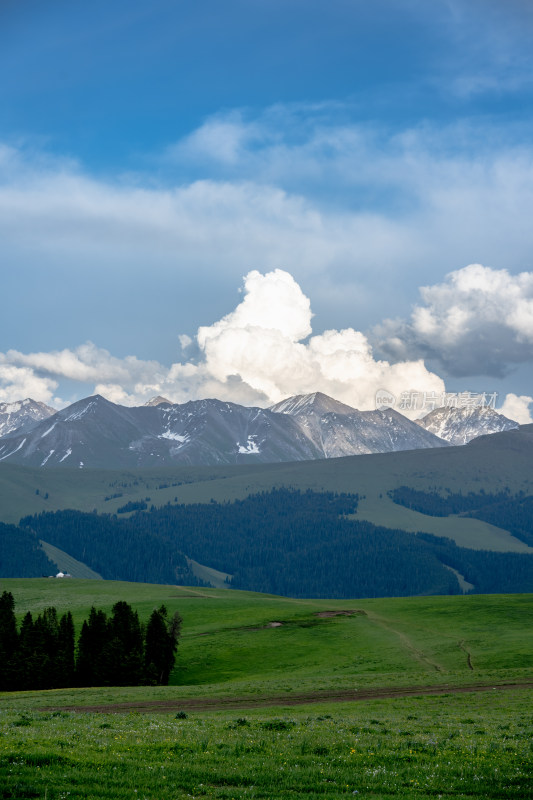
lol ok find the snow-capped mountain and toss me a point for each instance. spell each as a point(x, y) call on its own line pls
point(311, 404)
point(158, 401)
point(340, 430)
point(97, 433)
point(22, 415)
point(461, 425)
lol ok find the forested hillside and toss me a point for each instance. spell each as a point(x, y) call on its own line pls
point(438, 504)
point(299, 544)
point(514, 514)
point(113, 547)
point(21, 555)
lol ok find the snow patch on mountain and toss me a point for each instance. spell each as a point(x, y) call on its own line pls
point(51, 453)
point(14, 408)
point(78, 414)
point(176, 437)
point(48, 431)
point(250, 448)
point(316, 402)
point(158, 401)
point(459, 426)
point(22, 415)
point(20, 446)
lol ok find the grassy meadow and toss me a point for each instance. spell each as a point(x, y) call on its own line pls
point(463, 746)
point(257, 709)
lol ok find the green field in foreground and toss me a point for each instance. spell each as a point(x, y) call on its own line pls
point(476, 744)
point(446, 747)
point(230, 644)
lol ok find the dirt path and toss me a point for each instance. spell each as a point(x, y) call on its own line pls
point(413, 651)
point(222, 703)
point(463, 647)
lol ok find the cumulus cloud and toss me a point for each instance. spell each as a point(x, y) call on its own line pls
point(357, 212)
point(517, 408)
point(264, 342)
point(17, 383)
point(478, 321)
point(259, 353)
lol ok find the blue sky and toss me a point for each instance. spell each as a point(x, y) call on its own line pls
point(154, 154)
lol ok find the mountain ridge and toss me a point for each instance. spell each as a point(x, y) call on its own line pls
point(342, 430)
point(22, 415)
point(458, 426)
point(94, 432)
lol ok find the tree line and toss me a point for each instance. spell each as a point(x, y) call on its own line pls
point(21, 554)
point(115, 650)
point(513, 513)
point(296, 543)
point(437, 504)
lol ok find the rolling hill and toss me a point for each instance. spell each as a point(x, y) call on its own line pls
point(229, 645)
point(491, 462)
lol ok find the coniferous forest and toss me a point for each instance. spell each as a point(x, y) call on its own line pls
point(283, 542)
point(110, 651)
point(293, 543)
point(512, 513)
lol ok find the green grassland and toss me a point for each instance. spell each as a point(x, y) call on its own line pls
point(273, 730)
point(65, 563)
point(427, 747)
point(490, 463)
point(229, 646)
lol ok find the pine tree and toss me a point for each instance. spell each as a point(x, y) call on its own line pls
point(44, 655)
point(123, 654)
point(26, 654)
point(160, 646)
point(8, 641)
point(174, 631)
point(65, 651)
point(94, 637)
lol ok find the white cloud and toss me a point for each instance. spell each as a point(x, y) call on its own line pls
point(361, 216)
point(17, 383)
point(271, 302)
point(262, 342)
point(223, 138)
point(517, 408)
point(257, 354)
point(264, 349)
point(86, 363)
point(345, 205)
point(478, 321)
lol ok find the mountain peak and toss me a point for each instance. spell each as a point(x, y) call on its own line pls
point(461, 425)
point(316, 402)
point(22, 415)
point(158, 401)
point(27, 404)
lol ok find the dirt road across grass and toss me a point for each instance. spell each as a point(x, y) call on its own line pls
point(223, 703)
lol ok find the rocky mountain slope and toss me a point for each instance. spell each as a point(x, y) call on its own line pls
point(339, 430)
point(22, 415)
point(97, 433)
point(460, 425)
